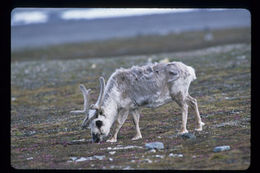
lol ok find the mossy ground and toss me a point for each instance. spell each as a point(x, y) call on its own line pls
point(44, 92)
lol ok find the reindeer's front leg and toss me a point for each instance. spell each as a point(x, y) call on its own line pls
point(184, 110)
point(136, 117)
point(122, 116)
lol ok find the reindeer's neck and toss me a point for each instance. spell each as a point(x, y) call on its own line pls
point(110, 104)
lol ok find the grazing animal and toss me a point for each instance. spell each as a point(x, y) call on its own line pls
point(127, 90)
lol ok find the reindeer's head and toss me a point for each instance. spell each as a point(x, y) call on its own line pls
point(95, 117)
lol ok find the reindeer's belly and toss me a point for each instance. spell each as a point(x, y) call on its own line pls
point(158, 103)
point(152, 100)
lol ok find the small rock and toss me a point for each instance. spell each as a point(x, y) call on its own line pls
point(230, 123)
point(81, 159)
point(100, 157)
point(30, 158)
point(152, 151)
point(110, 159)
point(13, 99)
point(119, 147)
point(154, 145)
point(73, 158)
point(148, 160)
point(127, 168)
point(93, 66)
point(159, 156)
point(171, 155)
point(221, 148)
point(175, 155)
point(112, 152)
point(188, 136)
point(30, 133)
point(241, 57)
point(78, 141)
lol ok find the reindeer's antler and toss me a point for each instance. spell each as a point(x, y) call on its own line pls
point(85, 93)
point(97, 106)
point(101, 93)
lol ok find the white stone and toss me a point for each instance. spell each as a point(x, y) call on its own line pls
point(81, 159)
point(30, 158)
point(152, 151)
point(80, 140)
point(73, 158)
point(123, 148)
point(159, 156)
point(112, 152)
point(148, 160)
point(175, 155)
point(93, 66)
point(100, 157)
point(127, 168)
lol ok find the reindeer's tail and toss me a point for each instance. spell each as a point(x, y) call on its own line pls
point(192, 73)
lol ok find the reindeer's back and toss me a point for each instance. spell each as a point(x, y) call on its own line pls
point(148, 85)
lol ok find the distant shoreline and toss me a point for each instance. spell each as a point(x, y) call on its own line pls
point(138, 45)
point(76, 31)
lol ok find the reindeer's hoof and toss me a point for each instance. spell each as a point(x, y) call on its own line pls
point(183, 132)
point(112, 140)
point(137, 137)
point(200, 126)
point(199, 129)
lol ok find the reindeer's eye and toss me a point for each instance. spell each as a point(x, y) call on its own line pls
point(173, 72)
point(99, 123)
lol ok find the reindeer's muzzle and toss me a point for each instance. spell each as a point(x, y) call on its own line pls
point(83, 127)
point(95, 138)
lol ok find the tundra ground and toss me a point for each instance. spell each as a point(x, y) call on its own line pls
point(44, 133)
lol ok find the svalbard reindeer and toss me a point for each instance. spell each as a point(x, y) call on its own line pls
point(129, 89)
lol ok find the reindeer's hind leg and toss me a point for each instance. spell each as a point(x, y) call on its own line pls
point(122, 116)
point(136, 117)
point(180, 100)
point(193, 104)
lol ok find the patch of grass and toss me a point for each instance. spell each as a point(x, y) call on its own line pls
point(218, 156)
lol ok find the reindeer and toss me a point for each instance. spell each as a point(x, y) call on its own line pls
point(128, 90)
